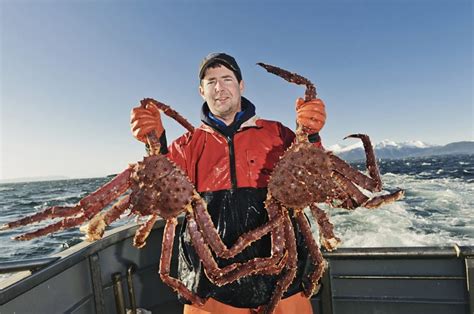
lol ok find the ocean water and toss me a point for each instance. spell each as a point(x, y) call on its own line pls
point(437, 208)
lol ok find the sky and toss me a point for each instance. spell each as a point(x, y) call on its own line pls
point(71, 71)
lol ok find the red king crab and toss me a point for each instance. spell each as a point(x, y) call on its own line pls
point(160, 189)
point(306, 175)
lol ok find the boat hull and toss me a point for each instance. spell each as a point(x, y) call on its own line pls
point(92, 278)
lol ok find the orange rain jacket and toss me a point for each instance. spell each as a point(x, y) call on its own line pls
point(215, 162)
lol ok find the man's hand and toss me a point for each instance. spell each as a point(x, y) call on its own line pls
point(145, 120)
point(311, 115)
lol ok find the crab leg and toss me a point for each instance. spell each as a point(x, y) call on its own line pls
point(356, 196)
point(214, 240)
point(310, 92)
point(354, 175)
point(314, 251)
point(374, 183)
point(66, 223)
point(264, 265)
point(143, 232)
point(50, 212)
point(94, 230)
point(165, 264)
point(257, 266)
point(213, 272)
point(360, 199)
point(227, 274)
point(278, 236)
point(341, 194)
point(167, 110)
point(326, 229)
point(89, 205)
point(290, 269)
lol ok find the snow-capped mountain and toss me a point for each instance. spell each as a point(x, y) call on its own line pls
point(389, 149)
point(390, 143)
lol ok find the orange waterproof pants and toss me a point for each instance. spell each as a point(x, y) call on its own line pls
point(297, 303)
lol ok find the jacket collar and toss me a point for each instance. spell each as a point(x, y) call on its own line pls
point(244, 118)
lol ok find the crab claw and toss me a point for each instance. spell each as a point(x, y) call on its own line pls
point(384, 199)
point(359, 135)
point(94, 230)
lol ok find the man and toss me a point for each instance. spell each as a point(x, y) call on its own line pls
point(229, 158)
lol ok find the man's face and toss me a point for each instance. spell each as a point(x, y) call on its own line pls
point(221, 90)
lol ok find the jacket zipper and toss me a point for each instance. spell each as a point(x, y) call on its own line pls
point(233, 174)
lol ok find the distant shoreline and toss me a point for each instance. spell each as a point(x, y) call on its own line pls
point(49, 178)
point(35, 179)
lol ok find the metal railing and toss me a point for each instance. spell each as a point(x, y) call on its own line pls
point(29, 264)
